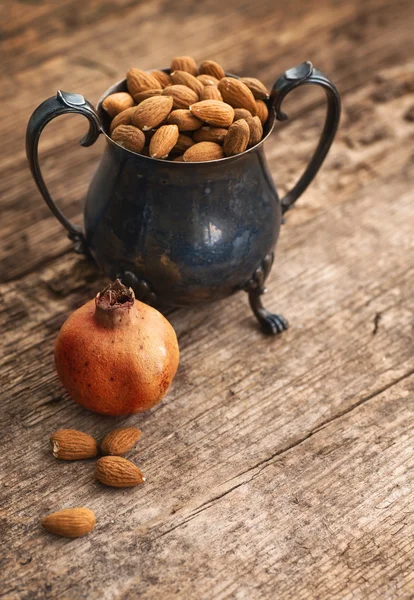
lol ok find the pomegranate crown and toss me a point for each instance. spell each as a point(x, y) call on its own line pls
point(116, 295)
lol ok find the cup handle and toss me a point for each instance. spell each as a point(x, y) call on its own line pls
point(60, 104)
point(291, 79)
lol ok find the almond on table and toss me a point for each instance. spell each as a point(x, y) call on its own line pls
point(120, 441)
point(70, 522)
point(118, 472)
point(71, 444)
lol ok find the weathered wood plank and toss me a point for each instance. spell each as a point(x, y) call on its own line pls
point(329, 508)
point(275, 467)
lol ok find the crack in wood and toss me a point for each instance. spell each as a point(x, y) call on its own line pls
point(263, 464)
point(377, 319)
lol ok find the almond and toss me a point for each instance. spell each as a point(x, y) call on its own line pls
point(213, 112)
point(210, 134)
point(210, 92)
point(184, 63)
point(140, 96)
point(183, 143)
point(202, 152)
point(163, 141)
point(152, 112)
point(120, 441)
point(262, 111)
point(162, 77)
point(123, 118)
point(256, 130)
point(138, 80)
point(116, 103)
point(208, 79)
point(210, 67)
point(70, 522)
point(257, 88)
point(237, 138)
point(118, 472)
point(241, 113)
point(184, 119)
point(129, 137)
point(184, 78)
point(70, 444)
point(237, 94)
point(182, 95)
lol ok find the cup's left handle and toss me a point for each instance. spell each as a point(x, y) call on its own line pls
point(51, 108)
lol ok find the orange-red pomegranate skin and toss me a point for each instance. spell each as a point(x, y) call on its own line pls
point(116, 355)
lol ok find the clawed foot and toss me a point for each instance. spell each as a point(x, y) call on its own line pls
point(272, 324)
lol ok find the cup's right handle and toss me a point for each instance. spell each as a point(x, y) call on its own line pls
point(302, 75)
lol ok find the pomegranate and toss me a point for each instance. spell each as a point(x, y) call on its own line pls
point(116, 355)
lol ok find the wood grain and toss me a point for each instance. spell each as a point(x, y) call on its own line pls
point(276, 468)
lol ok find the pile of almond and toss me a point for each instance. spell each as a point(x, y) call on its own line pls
point(112, 470)
point(194, 113)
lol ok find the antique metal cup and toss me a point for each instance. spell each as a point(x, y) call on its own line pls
point(184, 233)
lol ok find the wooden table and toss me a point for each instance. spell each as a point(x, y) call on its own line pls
point(277, 468)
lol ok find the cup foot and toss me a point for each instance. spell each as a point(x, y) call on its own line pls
point(271, 324)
